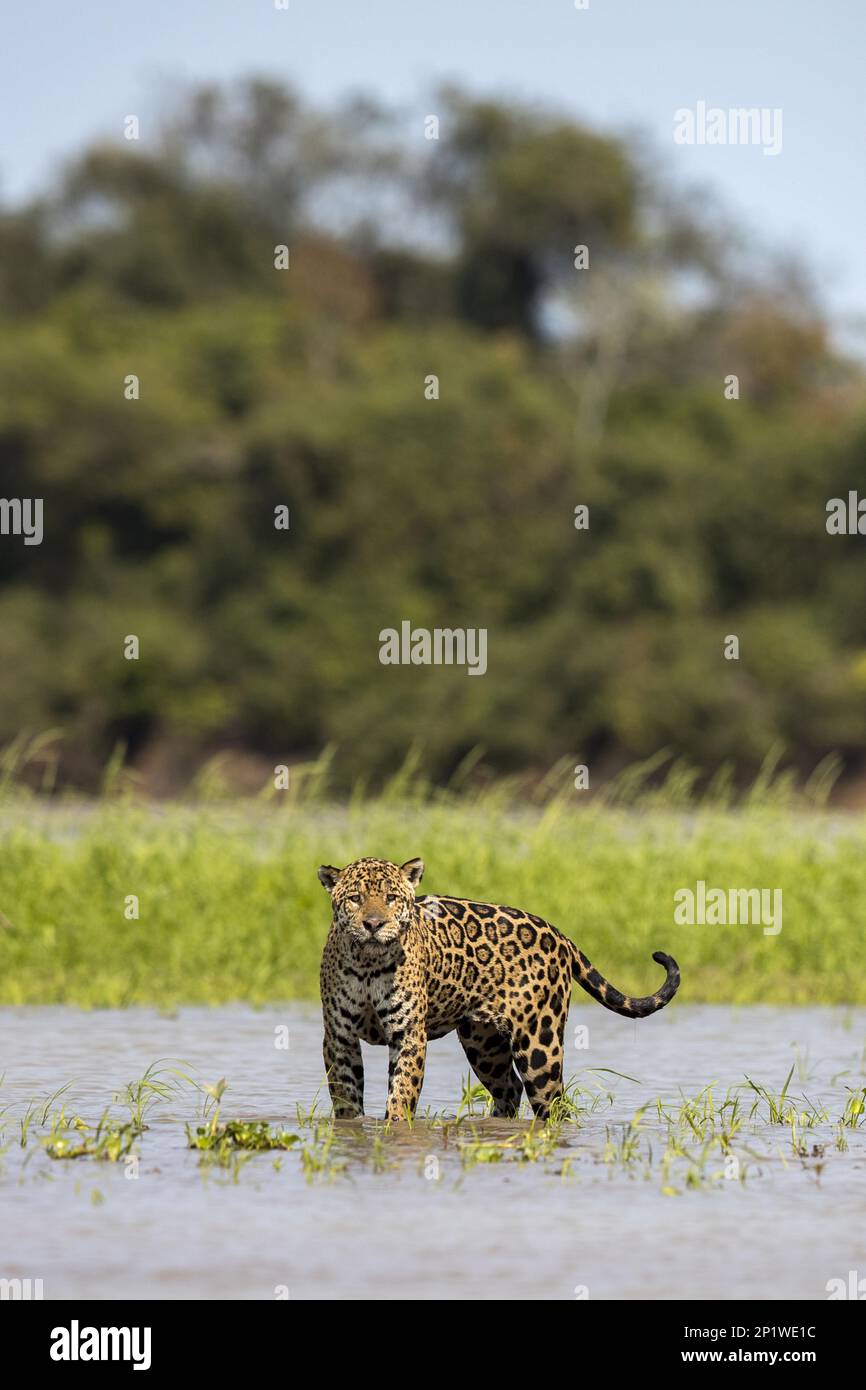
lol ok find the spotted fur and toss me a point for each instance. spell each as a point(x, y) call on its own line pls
point(399, 969)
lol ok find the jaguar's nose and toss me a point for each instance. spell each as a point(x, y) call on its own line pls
point(373, 923)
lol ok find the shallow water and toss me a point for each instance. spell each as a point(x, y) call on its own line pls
point(391, 1224)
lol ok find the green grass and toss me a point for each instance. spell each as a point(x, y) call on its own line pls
point(230, 907)
point(698, 1144)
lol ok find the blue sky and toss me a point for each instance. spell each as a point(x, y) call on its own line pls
point(72, 71)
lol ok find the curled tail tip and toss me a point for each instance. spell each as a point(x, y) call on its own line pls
point(671, 981)
point(662, 958)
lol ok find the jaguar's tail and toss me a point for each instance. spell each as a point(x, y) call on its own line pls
point(595, 984)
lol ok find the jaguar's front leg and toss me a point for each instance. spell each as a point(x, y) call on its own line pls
point(344, 1067)
point(407, 1054)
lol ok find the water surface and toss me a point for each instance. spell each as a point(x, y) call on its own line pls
point(389, 1223)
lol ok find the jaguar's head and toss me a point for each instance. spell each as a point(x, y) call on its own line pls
point(373, 900)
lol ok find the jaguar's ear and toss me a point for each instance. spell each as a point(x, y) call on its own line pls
point(413, 869)
point(328, 876)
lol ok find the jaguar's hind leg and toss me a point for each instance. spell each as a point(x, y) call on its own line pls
point(538, 1057)
point(489, 1055)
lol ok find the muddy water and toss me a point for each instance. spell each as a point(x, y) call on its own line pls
point(389, 1223)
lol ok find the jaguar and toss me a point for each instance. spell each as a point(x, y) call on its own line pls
point(399, 969)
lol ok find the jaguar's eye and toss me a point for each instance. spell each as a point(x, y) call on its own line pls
point(354, 898)
point(391, 898)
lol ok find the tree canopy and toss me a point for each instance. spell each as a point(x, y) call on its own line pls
point(558, 387)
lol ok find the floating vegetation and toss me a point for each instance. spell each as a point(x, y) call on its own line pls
point(855, 1108)
point(108, 1143)
point(690, 1143)
point(255, 1136)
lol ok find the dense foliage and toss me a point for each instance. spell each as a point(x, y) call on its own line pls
point(305, 388)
